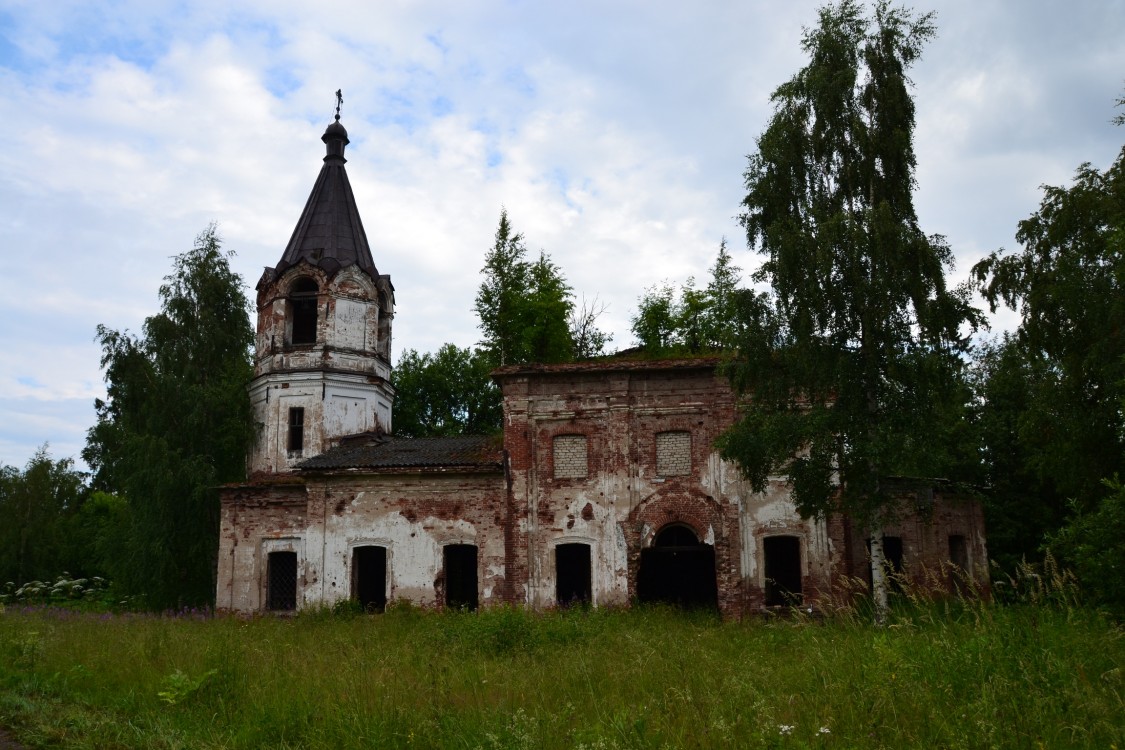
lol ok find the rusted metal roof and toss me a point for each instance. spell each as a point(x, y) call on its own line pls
point(330, 233)
point(386, 452)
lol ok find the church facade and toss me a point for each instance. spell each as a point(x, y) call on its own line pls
point(604, 487)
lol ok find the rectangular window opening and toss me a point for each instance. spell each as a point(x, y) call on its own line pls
point(296, 442)
point(573, 579)
point(281, 581)
point(782, 570)
point(959, 564)
point(304, 314)
point(369, 577)
point(893, 565)
point(460, 561)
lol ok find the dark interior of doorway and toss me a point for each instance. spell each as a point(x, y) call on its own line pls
point(959, 569)
point(573, 582)
point(892, 563)
point(460, 561)
point(369, 577)
point(678, 569)
point(281, 581)
point(783, 570)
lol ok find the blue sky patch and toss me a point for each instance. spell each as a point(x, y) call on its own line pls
point(441, 106)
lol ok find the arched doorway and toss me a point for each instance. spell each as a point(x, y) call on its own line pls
point(678, 569)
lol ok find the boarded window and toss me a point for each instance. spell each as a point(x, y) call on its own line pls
point(460, 562)
point(783, 570)
point(303, 311)
point(573, 580)
point(673, 453)
point(570, 457)
point(369, 577)
point(281, 581)
point(296, 442)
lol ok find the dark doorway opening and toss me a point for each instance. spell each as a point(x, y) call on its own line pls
point(460, 561)
point(678, 569)
point(281, 581)
point(783, 570)
point(892, 563)
point(959, 570)
point(369, 577)
point(892, 553)
point(573, 580)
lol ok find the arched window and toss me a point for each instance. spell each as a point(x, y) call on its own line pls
point(302, 311)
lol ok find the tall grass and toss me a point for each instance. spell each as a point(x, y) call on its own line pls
point(944, 674)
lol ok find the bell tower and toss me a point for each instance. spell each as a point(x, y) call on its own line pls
point(322, 366)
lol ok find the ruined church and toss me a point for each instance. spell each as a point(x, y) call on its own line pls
point(603, 488)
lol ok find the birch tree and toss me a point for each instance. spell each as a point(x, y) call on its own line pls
point(851, 364)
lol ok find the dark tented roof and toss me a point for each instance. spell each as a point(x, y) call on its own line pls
point(330, 233)
point(385, 452)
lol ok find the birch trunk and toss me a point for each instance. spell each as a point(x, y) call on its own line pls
point(878, 577)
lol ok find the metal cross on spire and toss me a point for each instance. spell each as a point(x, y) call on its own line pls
point(339, 101)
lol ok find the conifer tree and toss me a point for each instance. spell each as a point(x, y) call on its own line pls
point(523, 306)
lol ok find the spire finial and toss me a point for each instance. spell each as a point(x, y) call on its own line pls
point(339, 101)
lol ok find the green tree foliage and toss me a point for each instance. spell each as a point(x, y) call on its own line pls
point(1092, 543)
point(523, 305)
point(38, 507)
point(853, 362)
point(1022, 504)
point(447, 393)
point(692, 321)
point(1068, 285)
point(176, 424)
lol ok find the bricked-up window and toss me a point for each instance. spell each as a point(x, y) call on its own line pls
point(281, 581)
point(296, 442)
point(570, 457)
point(303, 311)
point(673, 453)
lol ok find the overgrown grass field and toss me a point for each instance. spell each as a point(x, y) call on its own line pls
point(940, 676)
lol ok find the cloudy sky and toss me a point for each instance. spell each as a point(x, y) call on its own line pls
point(614, 132)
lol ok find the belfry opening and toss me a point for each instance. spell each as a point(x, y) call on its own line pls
point(678, 569)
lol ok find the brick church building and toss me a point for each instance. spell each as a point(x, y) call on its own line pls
point(604, 486)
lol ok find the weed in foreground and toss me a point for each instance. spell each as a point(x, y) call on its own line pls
point(941, 674)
